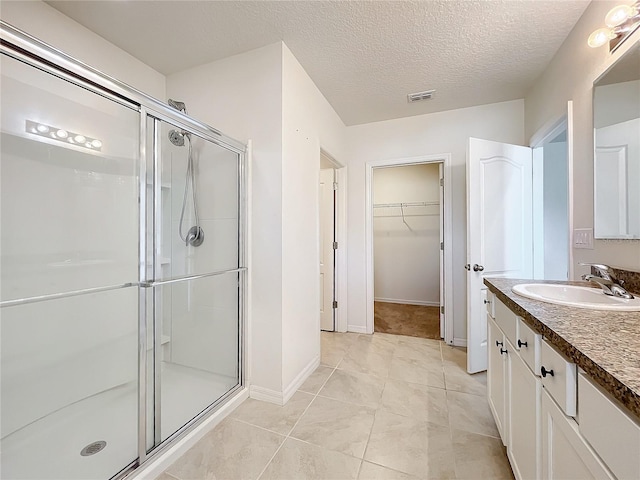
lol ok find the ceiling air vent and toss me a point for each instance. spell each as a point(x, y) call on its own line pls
point(416, 97)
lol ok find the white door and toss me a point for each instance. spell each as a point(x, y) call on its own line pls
point(499, 229)
point(327, 227)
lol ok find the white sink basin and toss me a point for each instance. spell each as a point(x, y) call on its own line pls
point(574, 296)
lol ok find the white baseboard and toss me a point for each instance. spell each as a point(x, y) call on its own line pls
point(281, 398)
point(356, 329)
point(300, 379)
point(266, 395)
point(407, 302)
point(159, 464)
point(459, 342)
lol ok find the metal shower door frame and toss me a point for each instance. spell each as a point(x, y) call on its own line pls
point(29, 50)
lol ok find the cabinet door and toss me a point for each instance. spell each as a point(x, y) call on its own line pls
point(524, 418)
point(565, 454)
point(496, 376)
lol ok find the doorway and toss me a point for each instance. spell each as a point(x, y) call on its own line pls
point(331, 239)
point(407, 229)
point(551, 205)
point(408, 246)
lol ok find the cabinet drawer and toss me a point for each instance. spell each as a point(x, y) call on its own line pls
point(560, 380)
point(490, 302)
point(529, 344)
point(506, 320)
point(611, 432)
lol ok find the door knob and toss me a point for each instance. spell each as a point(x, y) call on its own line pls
point(477, 268)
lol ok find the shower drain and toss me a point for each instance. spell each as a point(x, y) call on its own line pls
point(93, 448)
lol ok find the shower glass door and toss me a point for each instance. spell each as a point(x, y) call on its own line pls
point(196, 275)
point(69, 298)
point(122, 272)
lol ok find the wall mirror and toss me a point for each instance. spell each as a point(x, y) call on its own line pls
point(616, 160)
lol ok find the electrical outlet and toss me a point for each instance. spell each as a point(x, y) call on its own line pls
point(583, 238)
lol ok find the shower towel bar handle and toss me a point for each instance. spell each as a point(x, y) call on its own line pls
point(190, 277)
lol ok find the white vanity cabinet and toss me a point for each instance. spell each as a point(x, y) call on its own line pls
point(496, 376)
point(536, 416)
point(600, 416)
point(565, 453)
point(524, 436)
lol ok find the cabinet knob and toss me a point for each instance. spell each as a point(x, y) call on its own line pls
point(487, 302)
point(503, 351)
point(522, 344)
point(546, 372)
point(499, 344)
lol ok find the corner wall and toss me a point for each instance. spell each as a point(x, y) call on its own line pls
point(570, 76)
point(308, 124)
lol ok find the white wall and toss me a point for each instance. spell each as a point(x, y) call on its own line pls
point(570, 76)
point(266, 96)
point(242, 97)
point(443, 132)
point(616, 103)
point(556, 225)
point(308, 123)
point(407, 258)
point(47, 24)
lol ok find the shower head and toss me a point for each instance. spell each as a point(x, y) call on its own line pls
point(177, 137)
point(180, 106)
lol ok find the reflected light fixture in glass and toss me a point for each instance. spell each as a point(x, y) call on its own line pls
point(62, 135)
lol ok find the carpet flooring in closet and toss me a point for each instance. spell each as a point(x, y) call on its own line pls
point(411, 320)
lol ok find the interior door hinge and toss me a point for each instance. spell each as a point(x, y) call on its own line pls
point(442, 310)
point(442, 182)
point(335, 304)
point(335, 185)
point(441, 245)
point(335, 245)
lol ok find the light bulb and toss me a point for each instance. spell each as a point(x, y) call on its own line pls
point(62, 133)
point(96, 144)
point(42, 128)
point(599, 37)
point(618, 15)
point(80, 138)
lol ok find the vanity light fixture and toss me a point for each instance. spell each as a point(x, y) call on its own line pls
point(621, 21)
point(62, 135)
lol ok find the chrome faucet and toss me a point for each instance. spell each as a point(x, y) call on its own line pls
point(607, 280)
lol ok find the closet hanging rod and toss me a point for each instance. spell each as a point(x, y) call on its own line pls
point(405, 204)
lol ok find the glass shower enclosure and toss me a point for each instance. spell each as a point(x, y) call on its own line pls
point(122, 269)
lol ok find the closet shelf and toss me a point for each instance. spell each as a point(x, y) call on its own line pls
point(406, 204)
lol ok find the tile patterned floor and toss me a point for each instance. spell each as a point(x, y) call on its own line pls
point(379, 407)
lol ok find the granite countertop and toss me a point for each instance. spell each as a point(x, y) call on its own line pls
point(605, 344)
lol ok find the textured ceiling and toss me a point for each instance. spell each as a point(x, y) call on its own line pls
point(365, 56)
